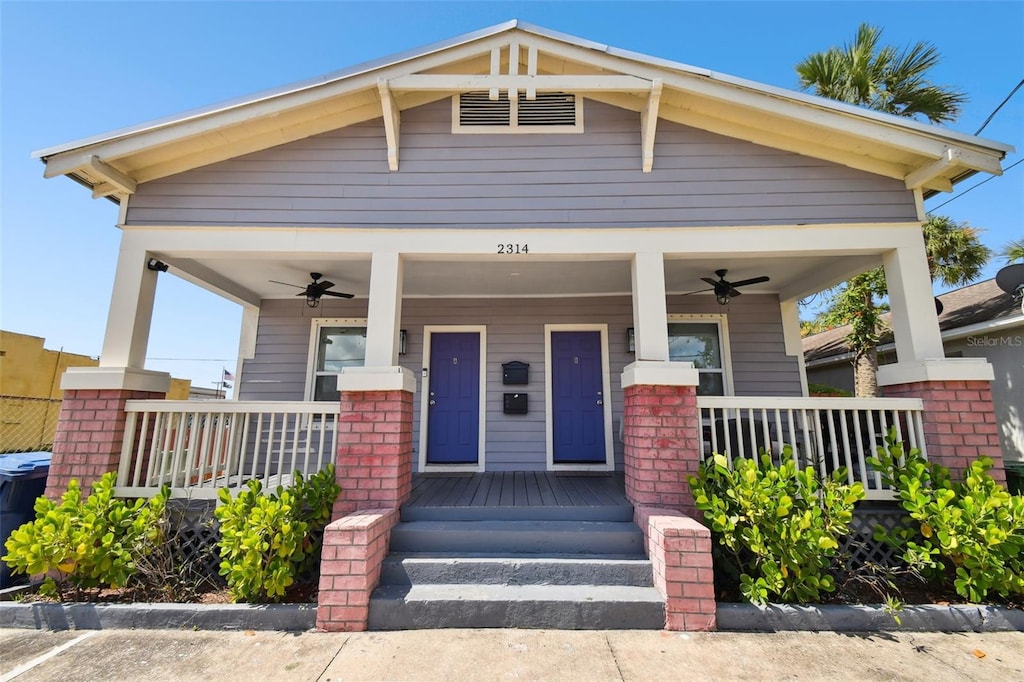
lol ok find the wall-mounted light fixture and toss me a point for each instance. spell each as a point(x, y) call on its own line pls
point(156, 265)
point(403, 336)
point(631, 340)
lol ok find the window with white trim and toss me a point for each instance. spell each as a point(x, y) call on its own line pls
point(701, 340)
point(334, 343)
point(550, 112)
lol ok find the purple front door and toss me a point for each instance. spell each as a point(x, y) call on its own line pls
point(577, 400)
point(453, 405)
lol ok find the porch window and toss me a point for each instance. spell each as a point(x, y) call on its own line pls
point(700, 341)
point(334, 344)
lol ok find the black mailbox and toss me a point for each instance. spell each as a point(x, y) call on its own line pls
point(516, 403)
point(515, 373)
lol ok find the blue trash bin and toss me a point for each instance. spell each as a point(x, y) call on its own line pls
point(22, 480)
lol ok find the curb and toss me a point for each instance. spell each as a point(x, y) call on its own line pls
point(924, 618)
point(49, 616)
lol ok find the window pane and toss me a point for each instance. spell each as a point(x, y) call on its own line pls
point(326, 388)
point(711, 384)
point(695, 342)
point(341, 347)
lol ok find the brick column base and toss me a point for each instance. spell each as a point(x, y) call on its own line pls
point(374, 464)
point(353, 550)
point(661, 435)
point(680, 552)
point(959, 423)
point(90, 433)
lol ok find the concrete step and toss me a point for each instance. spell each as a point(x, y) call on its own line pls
point(623, 512)
point(518, 537)
point(418, 569)
point(567, 607)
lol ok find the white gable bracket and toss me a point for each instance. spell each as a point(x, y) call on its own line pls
point(953, 157)
point(649, 125)
point(113, 176)
point(392, 121)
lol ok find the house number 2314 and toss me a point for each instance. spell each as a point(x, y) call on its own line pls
point(513, 249)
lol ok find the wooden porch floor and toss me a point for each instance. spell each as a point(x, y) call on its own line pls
point(517, 489)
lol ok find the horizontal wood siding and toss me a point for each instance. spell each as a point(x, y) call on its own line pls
point(593, 179)
point(515, 331)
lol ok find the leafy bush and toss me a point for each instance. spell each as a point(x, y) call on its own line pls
point(266, 540)
point(87, 543)
point(779, 525)
point(974, 528)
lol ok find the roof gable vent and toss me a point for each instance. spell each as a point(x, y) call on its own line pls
point(550, 112)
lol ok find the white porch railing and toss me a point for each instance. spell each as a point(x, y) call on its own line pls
point(197, 447)
point(826, 433)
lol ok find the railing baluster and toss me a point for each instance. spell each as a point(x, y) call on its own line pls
point(713, 427)
point(847, 454)
point(270, 446)
point(829, 416)
point(155, 452)
point(124, 464)
point(295, 442)
point(140, 446)
point(792, 438)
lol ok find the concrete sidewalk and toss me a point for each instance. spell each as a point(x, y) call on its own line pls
point(455, 655)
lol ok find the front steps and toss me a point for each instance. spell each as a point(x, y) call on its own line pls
point(545, 571)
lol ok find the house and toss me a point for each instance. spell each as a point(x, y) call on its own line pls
point(519, 257)
point(977, 321)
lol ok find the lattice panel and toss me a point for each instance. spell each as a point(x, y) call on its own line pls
point(194, 535)
point(861, 546)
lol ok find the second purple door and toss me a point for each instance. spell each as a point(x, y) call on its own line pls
point(577, 400)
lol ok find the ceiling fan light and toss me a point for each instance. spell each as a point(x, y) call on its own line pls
point(312, 302)
point(723, 299)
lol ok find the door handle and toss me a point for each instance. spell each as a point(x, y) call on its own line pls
point(600, 402)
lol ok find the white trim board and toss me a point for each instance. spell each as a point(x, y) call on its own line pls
point(481, 460)
point(609, 446)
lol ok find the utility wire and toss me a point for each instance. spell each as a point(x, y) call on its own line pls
point(991, 177)
point(992, 115)
point(195, 359)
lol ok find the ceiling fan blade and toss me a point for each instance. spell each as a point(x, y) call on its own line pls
point(336, 293)
point(325, 285)
point(754, 280)
point(274, 281)
point(709, 281)
point(699, 291)
point(733, 293)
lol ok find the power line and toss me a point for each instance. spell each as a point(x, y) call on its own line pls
point(991, 177)
point(996, 111)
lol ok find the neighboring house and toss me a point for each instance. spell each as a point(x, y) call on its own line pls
point(512, 197)
point(30, 391)
point(977, 321)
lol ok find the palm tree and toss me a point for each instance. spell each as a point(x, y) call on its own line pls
point(895, 82)
point(1014, 251)
point(881, 78)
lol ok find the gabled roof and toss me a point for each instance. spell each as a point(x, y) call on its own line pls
point(971, 309)
point(923, 155)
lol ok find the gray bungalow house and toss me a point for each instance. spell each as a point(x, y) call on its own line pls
point(515, 284)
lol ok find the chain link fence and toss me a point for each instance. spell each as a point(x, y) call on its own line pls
point(27, 424)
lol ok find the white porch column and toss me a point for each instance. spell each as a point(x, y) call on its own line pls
point(915, 326)
point(131, 310)
point(791, 334)
point(650, 313)
point(381, 371)
point(385, 311)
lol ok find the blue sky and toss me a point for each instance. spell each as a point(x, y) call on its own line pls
point(73, 69)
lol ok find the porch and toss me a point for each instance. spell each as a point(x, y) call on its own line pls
point(199, 447)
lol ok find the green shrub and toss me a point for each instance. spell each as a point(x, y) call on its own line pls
point(779, 526)
point(87, 543)
point(266, 540)
point(973, 528)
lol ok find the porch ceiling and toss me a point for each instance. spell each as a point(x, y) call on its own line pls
point(497, 276)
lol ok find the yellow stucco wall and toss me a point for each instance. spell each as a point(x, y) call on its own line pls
point(30, 390)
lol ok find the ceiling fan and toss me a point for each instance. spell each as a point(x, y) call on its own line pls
point(724, 290)
point(315, 289)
